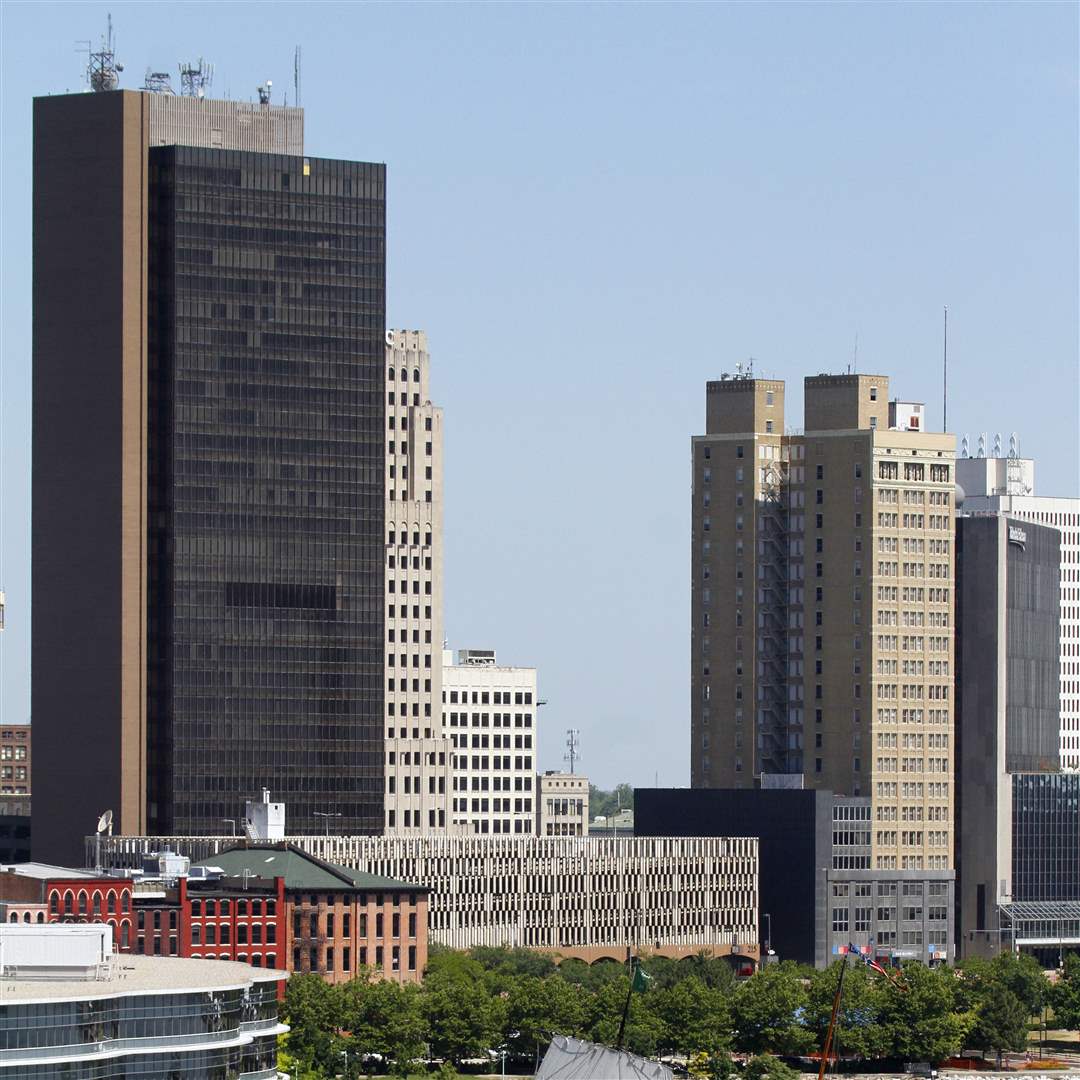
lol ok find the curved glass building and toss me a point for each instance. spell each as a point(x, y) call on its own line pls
point(135, 1016)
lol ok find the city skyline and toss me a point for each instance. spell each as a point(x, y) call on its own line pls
point(851, 234)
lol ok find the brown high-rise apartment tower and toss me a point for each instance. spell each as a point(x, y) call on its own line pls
point(822, 640)
point(208, 498)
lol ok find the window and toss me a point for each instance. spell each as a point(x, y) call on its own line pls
point(768, 427)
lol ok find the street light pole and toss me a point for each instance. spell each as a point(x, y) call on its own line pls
point(326, 815)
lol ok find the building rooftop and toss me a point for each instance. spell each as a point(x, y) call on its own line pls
point(300, 870)
point(44, 871)
point(132, 974)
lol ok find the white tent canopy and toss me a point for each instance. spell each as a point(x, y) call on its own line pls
point(574, 1059)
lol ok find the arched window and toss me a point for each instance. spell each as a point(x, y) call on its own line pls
point(82, 902)
point(111, 902)
point(125, 934)
point(390, 375)
point(125, 901)
point(13, 917)
point(41, 916)
point(69, 902)
point(54, 902)
point(416, 375)
point(404, 375)
point(97, 903)
point(26, 916)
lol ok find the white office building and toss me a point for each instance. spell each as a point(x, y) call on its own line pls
point(489, 717)
point(417, 764)
point(1006, 485)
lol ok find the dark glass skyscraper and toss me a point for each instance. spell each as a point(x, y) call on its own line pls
point(266, 493)
point(208, 469)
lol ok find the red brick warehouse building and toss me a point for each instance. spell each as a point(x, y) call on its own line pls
point(339, 920)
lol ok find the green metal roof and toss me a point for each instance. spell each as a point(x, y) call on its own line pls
point(300, 870)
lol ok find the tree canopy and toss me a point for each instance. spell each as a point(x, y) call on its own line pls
point(472, 1005)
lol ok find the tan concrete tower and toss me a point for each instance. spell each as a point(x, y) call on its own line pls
point(822, 606)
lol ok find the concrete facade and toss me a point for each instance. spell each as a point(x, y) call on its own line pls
point(418, 756)
point(489, 716)
point(562, 801)
point(574, 897)
point(822, 606)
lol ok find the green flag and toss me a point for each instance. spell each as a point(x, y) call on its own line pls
point(641, 980)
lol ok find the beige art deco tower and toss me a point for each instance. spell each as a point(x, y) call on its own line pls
point(418, 760)
point(822, 605)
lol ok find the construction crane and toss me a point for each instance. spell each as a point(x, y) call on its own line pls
point(830, 1035)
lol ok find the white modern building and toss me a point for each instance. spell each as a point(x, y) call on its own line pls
point(489, 717)
point(74, 1009)
point(1006, 485)
point(418, 758)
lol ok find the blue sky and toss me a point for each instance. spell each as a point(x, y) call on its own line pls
point(592, 210)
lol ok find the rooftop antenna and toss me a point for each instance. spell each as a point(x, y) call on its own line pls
point(104, 825)
point(158, 82)
point(195, 78)
point(573, 747)
point(264, 92)
point(945, 375)
point(102, 68)
point(296, 76)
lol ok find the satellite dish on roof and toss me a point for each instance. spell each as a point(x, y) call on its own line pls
point(105, 823)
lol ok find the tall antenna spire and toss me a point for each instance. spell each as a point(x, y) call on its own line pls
point(573, 747)
point(945, 375)
point(296, 76)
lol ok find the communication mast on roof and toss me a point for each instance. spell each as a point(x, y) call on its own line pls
point(102, 68)
point(195, 78)
point(158, 82)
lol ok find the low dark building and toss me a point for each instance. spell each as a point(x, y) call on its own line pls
point(794, 829)
point(818, 892)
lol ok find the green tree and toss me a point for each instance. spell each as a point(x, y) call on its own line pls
point(540, 1008)
point(606, 803)
point(1065, 995)
point(383, 1018)
point(312, 1009)
point(859, 1032)
point(1000, 1023)
point(504, 961)
point(767, 1067)
point(644, 1030)
point(925, 1019)
point(591, 976)
point(766, 1008)
point(465, 1020)
point(695, 1017)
